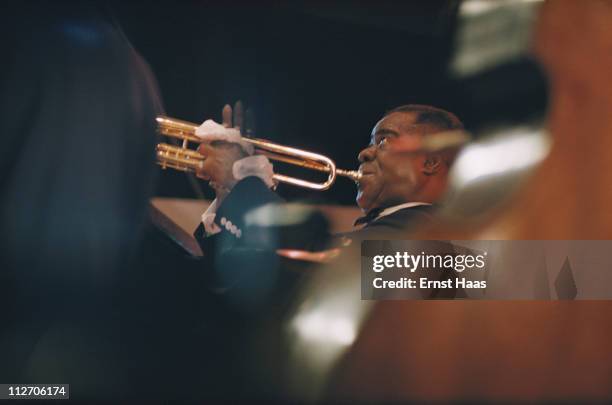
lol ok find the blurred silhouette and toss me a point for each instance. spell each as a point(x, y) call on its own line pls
point(496, 350)
point(77, 111)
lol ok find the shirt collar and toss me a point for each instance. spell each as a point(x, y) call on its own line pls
point(395, 208)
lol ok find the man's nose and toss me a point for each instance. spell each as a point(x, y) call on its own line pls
point(368, 154)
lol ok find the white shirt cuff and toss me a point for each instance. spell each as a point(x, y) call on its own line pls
point(208, 219)
point(257, 165)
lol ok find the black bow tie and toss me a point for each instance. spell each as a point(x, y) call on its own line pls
point(369, 217)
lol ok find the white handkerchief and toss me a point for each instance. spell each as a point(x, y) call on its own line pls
point(212, 131)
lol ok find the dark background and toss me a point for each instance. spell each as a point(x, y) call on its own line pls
point(317, 74)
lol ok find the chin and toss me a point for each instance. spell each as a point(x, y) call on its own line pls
point(367, 193)
point(362, 201)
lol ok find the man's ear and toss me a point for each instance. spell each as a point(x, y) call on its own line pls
point(432, 165)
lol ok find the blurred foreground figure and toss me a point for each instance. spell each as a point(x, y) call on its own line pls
point(77, 114)
point(475, 350)
point(569, 196)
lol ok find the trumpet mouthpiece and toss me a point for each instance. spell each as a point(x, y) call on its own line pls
point(354, 175)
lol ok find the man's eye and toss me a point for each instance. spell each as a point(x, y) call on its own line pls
point(382, 142)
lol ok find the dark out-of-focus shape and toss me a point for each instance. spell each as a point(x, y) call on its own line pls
point(77, 121)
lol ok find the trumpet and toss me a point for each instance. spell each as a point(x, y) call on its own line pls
point(182, 157)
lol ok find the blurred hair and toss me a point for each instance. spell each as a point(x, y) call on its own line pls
point(430, 115)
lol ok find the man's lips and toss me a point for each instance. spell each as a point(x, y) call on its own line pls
point(366, 175)
point(366, 171)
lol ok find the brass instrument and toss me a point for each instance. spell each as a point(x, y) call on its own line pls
point(188, 160)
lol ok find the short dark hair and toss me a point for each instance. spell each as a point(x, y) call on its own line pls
point(427, 114)
point(437, 117)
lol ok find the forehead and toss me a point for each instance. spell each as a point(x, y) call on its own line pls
point(399, 122)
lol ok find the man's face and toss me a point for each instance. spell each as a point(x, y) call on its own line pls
point(390, 178)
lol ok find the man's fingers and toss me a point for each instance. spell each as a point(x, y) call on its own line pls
point(207, 147)
point(203, 171)
point(202, 148)
point(238, 116)
point(227, 116)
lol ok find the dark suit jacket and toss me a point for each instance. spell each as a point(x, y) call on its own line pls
point(249, 239)
point(310, 233)
point(241, 259)
point(390, 226)
point(253, 216)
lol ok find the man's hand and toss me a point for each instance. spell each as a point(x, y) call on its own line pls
point(220, 156)
point(218, 163)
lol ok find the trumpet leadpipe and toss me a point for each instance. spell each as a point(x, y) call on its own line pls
point(354, 175)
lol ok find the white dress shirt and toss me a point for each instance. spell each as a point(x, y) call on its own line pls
point(395, 208)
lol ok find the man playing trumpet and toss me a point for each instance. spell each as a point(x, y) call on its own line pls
point(398, 187)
